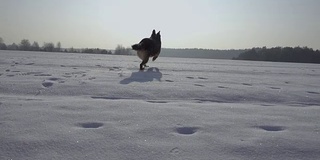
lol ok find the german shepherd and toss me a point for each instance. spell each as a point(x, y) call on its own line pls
point(148, 47)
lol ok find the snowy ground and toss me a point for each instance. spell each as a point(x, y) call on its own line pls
point(80, 106)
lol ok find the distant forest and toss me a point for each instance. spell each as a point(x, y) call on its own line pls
point(187, 53)
point(280, 54)
point(25, 45)
point(201, 53)
point(276, 54)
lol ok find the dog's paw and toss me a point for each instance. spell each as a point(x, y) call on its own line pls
point(154, 58)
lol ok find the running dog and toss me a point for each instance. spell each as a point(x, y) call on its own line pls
point(148, 47)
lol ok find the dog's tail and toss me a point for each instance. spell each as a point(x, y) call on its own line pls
point(136, 47)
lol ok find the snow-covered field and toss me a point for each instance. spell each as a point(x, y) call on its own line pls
point(82, 106)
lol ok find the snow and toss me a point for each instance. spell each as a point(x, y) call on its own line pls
point(84, 106)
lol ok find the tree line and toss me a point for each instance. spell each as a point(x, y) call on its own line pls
point(201, 53)
point(25, 45)
point(275, 54)
point(282, 54)
point(120, 50)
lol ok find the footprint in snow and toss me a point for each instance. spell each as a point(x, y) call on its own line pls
point(157, 101)
point(311, 92)
point(222, 87)
point(92, 78)
point(54, 79)
point(186, 130)
point(106, 98)
point(47, 84)
point(43, 75)
point(199, 85)
point(67, 76)
point(90, 125)
point(267, 105)
point(114, 69)
point(71, 108)
point(175, 150)
point(271, 128)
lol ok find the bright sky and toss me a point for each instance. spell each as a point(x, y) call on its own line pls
point(213, 24)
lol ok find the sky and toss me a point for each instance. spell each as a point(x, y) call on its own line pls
point(210, 24)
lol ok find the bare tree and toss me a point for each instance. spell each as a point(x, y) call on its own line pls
point(71, 50)
point(13, 46)
point(3, 46)
point(48, 47)
point(120, 50)
point(35, 46)
point(25, 45)
point(58, 47)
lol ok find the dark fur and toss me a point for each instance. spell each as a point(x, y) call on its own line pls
point(148, 47)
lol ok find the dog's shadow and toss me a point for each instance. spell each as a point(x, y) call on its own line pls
point(149, 75)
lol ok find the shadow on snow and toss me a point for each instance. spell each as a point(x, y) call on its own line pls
point(143, 76)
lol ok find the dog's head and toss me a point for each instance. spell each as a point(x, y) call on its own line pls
point(155, 36)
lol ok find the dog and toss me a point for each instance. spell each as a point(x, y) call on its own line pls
point(148, 47)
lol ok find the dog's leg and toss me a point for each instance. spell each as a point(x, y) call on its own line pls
point(144, 62)
point(155, 57)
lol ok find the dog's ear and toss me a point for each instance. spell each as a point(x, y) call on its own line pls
point(153, 33)
point(158, 36)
